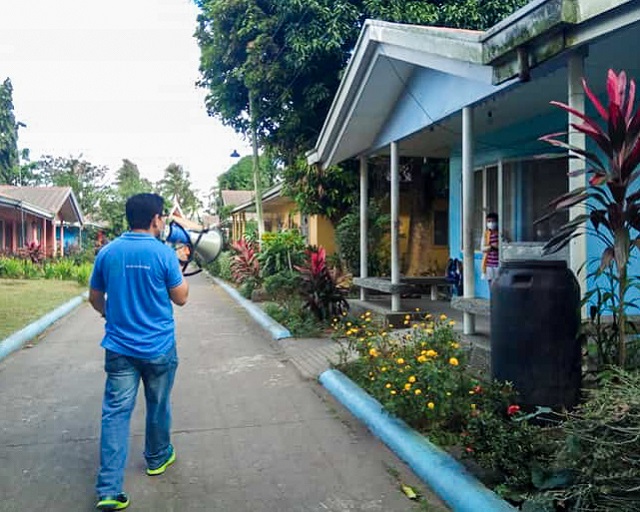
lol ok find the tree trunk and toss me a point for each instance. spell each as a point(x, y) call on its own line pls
point(416, 263)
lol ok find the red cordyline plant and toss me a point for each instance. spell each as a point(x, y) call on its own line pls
point(325, 297)
point(245, 265)
point(611, 196)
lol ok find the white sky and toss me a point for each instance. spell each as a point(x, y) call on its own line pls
point(110, 80)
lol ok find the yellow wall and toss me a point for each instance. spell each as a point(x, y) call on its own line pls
point(322, 233)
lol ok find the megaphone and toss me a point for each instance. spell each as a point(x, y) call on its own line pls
point(204, 245)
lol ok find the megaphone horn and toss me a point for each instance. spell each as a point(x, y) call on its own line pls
point(205, 244)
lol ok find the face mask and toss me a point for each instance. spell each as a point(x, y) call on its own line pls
point(492, 225)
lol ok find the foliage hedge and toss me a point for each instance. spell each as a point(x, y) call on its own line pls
point(62, 269)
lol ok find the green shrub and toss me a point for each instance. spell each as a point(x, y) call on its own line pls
point(82, 273)
point(348, 240)
point(11, 268)
point(221, 266)
point(292, 315)
point(283, 285)
point(31, 270)
point(281, 252)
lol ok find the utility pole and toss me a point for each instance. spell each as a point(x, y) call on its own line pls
point(257, 181)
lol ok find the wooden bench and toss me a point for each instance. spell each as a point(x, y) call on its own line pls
point(406, 285)
point(473, 305)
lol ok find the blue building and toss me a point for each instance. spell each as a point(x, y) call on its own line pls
point(482, 100)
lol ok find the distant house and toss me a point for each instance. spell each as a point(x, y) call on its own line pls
point(281, 213)
point(40, 215)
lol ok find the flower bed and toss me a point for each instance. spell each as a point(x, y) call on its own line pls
point(536, 459)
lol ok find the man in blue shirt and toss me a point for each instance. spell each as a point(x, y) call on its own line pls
point(135, 279)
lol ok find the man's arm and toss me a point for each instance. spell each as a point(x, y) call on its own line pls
point(96, 299)
point(180, 293)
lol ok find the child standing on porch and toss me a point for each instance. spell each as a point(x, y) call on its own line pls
point(490, 249)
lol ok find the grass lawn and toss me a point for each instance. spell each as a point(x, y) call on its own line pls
point(24, 300)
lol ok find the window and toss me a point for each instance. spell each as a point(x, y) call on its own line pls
point(527, 188)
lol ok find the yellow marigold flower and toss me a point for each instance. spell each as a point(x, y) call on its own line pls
point(428, 331)
point(453, 361)
point(388, 386)
point(360, 340)
point(400, 360)
point(417, 309)
point(431, 405)
point(431, 353)
point(383, 333)
point(406, 322)
point(473, 407)
point(443, 317)
point(372, 378)
point(454, 344)
point(383, 369)
point(422, 359)
point(452, 323)
point(373, 352)
point(407, 317)
point(348, 324)
point(418, 391)
point(393, 391)
point(448, 393)
point(390, 326)
point(411, 379)
point(367, 313)
point(344, 313)
point(407, 386)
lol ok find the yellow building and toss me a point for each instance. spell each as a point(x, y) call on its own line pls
point(281, 213)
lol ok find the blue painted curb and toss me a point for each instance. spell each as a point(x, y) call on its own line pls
point(18, 339)
point(439, 470)
point(277, 331)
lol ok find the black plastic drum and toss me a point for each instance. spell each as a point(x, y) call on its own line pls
point(535, 318)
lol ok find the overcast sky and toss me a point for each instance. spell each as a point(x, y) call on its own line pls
point(110, 80)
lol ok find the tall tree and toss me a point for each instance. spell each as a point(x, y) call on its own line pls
point(176, 185)
point(240, 175)
point(289, 55)
point(9, 170)
point(86, 179)
point(112, 205)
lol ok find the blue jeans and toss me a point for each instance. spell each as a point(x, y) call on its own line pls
point(123, 378)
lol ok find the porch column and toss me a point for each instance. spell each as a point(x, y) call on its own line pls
point(55, 247)
point(43, 242)
point(468, 268)
point(577, 246)
point(14, 237)
point(395, 223)
point(364, 225)
point(61, 238)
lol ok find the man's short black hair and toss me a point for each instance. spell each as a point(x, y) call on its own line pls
point(142, 208)
point(492, 216)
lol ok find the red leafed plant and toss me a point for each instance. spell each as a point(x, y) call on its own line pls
point(611, 197)
point(244, 264)
point(324, 295)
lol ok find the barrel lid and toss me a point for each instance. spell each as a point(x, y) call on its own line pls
point(534, 264)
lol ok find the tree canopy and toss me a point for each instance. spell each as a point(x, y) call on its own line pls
point(112, 204)
point(290, 55)
point(240, 175)
point(85, 179)
point(9, 163)
point(176, 185)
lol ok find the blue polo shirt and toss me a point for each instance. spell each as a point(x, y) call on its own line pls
point(136, 271)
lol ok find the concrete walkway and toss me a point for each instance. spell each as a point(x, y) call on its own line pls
point(253, 430)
